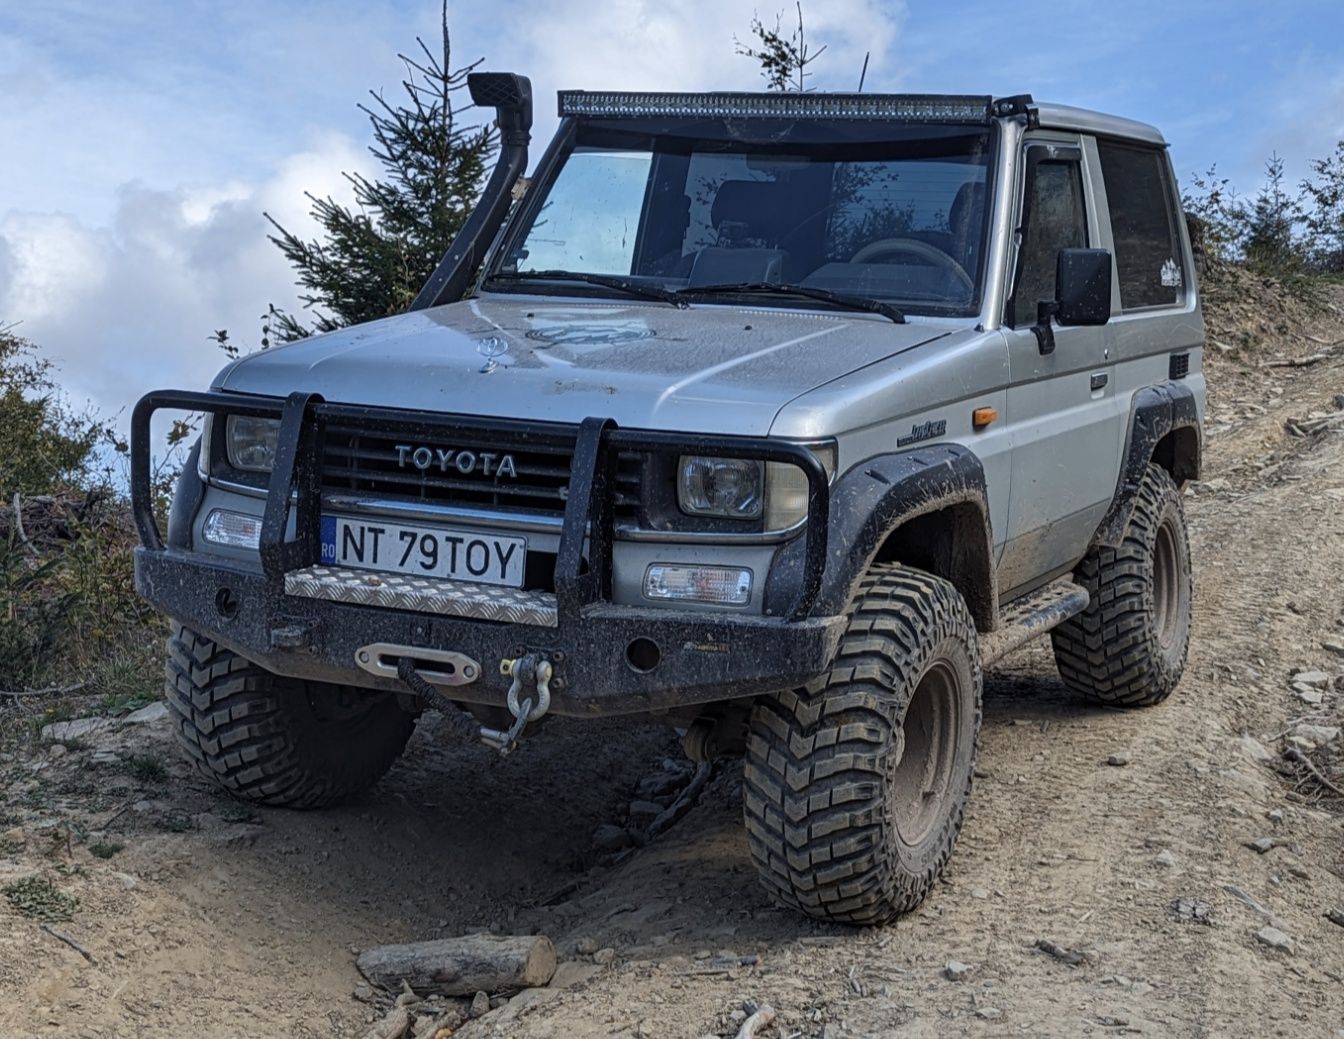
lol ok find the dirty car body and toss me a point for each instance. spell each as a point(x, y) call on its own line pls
point(727, 354)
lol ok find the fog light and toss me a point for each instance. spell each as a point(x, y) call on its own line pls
point(233, 529)
point(722, 585)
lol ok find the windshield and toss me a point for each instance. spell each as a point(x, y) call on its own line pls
point(897, 217)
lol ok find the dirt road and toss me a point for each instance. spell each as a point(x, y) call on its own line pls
point(213, 921)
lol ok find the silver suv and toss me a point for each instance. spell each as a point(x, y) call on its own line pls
point(775, 417)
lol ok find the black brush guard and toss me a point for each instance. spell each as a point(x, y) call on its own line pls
point(704, 655)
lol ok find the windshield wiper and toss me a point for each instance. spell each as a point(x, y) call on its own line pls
point(770, 288)
point(610, 281)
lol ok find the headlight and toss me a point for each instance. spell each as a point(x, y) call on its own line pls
point(728, 487)
point(742, 489)
point(250, 443)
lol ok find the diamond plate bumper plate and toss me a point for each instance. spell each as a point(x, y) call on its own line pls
point(423, 595)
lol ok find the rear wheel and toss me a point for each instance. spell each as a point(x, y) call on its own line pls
point(1128, 648)
point(274, 740)
point(856, 785)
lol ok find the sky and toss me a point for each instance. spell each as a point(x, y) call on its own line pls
point(144, 139)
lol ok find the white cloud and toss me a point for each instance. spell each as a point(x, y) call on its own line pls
point(129, 306)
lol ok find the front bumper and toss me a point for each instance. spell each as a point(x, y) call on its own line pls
point(607, 658)
point(701, 657)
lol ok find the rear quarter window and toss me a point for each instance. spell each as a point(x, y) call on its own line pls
point(1143, 225)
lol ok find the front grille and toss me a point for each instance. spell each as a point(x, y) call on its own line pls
point(462, 471)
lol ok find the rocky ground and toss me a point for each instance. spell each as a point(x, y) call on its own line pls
point(1182, 862)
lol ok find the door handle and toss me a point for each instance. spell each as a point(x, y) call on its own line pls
point(1099, 381)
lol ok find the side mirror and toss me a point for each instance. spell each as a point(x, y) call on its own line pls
point(1083, 294)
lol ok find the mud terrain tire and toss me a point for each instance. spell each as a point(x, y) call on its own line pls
point(274, 740)
point(856, 786)
point(1128, 648)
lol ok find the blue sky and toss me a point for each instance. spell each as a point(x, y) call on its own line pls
point(145, 137)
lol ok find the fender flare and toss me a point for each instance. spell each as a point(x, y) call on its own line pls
point(1154, 413)
point(872, 500)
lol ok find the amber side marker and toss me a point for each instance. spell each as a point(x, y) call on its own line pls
point(982, 417)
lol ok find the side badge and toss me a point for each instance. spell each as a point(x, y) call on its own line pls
point(923, 431)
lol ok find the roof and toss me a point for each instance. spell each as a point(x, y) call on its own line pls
point(1066, 117)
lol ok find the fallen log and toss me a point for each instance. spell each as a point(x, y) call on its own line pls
point(462, 966)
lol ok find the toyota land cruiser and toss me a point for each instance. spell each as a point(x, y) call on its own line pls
point(775, 416)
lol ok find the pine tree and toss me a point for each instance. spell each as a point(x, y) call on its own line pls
point(1272, 242)
point(1326, 218)
point(784, 60)
point(373, 259)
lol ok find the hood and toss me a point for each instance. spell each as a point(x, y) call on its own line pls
point(726, 368)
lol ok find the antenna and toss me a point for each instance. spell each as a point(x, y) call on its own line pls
point(864, 74)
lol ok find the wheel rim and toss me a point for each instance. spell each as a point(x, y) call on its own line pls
point(924, 773)
point(1166, 586)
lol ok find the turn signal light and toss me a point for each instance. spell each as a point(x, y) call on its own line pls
point(982, 417)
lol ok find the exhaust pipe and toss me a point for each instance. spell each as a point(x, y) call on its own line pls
point(510, 96)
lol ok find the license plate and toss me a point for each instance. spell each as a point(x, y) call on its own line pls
point(402, 548)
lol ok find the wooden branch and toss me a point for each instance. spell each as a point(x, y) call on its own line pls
point(18, 525)
point(55, 690)
point(462, 966)
point(763, 1017)
point(61, 936)
point(1293, 754)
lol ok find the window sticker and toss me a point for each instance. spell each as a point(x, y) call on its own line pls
point(1171, 275)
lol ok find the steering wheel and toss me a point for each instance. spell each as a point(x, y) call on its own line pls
point(914, 247)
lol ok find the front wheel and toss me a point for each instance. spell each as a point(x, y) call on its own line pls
point(1128, 648)
point(274, 740)
point(856, 786)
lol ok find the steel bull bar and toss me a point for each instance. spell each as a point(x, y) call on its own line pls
point(576, 636)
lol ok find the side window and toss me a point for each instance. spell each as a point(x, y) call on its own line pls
point(1053, 218)
point(1143, 225)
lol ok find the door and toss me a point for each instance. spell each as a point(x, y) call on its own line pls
point(1060, 404)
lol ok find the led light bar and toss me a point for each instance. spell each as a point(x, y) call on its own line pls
point(911, 108)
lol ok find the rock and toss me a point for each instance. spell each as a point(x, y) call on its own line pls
point(979, 892)
point(1335, 916)
point(1312, 678)
point(1255, 750)
point(104, 757)
point(1310, 696)
point(610, 838)
point(1301, 743)
point(480, 1004)
point(1262, 844)
point(147, 715)
point(60, 732)
point(1164, 858)
point(1274, 938)
point(644, 812)
point(573, 972)
point(1335, 646)
point(57, 750)
point(1191, 910)
point(660, 784)
point(988, 1013)
point(604, 957)
point(1317, 734)
point(1119, 760)
point(14, 837)
point(956, 970)
point(1275, 815)
point(363, 993)
point(587, 945)
point(393, 1026)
